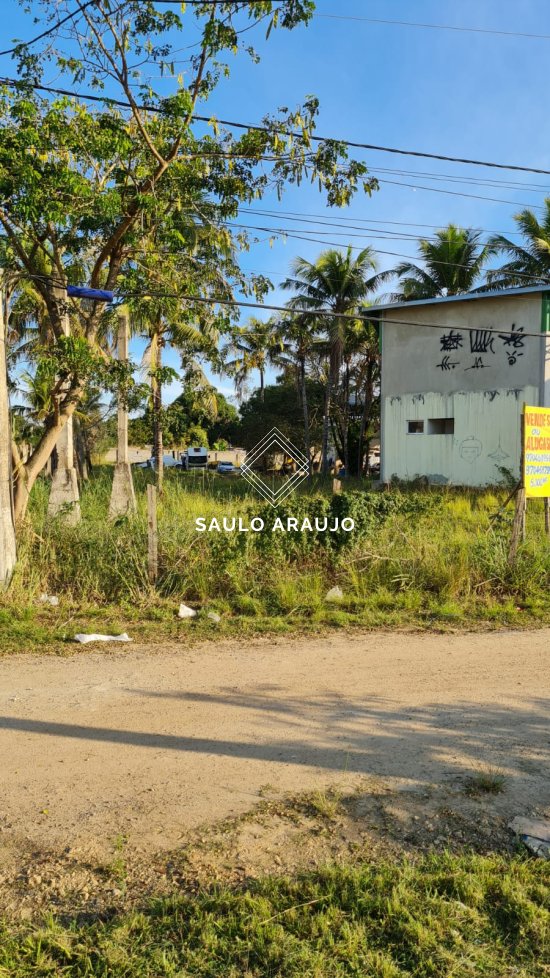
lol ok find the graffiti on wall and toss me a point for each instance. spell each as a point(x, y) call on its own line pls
point(499, 455)
point(480, 348)
point(470, 449)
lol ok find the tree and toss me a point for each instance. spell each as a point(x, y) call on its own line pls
point(297, 338)
point(7, 527)
point(529, 262)
point(340, 283)
point(252, 347)
point(364, 362)
point(167, 325)
point(452, 264)
point(280, 407)
point(77, 183)
point(200, 407)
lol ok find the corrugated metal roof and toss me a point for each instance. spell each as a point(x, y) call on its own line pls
point(497, 294)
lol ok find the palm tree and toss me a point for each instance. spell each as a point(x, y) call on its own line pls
point(251, 347)
point(337, 283)
point(166, 322)
point(297, 337)
point(451, 264)
point(529, 262)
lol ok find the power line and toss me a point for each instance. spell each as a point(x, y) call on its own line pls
point(436, 27)
point(459, 193)
point(378, 232)
point(371, 220)
point(51, 30)
point(364, 314)
point(338, 244)
point(144, 107)
point(407, 23)
point(351, 317)
point(490, 182)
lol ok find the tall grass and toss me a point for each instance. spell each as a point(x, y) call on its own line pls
point(415, 556)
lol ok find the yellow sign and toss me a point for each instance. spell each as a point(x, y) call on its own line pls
point(536, 451)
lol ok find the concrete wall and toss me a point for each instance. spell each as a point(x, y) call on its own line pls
point(481, 379)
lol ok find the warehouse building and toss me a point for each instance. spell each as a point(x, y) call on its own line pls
point(456, 373)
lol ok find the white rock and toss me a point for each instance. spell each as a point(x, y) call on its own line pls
point(186, 612)
point(50, 599)
point(83, 638)
point(335, 594)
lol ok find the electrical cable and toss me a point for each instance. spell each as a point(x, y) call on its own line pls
point(106, 100)
point(350, 317)
point(51, 30)
point(435, 27)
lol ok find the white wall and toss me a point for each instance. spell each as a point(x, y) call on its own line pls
point(482, 385)
point(486, 436)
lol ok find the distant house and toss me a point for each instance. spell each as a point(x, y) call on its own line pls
point(455, 374)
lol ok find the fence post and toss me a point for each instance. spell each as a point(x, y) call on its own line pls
point(152, 534)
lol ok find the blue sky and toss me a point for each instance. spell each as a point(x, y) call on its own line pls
point(463, 94)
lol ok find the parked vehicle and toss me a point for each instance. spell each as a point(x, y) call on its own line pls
point(225, 468)
point(168, 461)
point(194, 458)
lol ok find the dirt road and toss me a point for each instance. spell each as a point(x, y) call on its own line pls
point(149, 743)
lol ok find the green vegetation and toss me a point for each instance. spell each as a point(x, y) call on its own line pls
point(417, 558)
point(443, 915)
point(486, 782)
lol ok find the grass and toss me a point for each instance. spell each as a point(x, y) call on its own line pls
point(421, 558)
point(489, 781)
point(440, 916)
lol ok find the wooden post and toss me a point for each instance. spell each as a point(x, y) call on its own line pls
point(518, 528)
point(336, 487)
point(547, 516)
point(152, 534)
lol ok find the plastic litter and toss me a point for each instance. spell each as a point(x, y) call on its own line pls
point(83, 638)
point(534, 833)
point(50, 599)
point(214, 616)
point(186, 612)
point(335, 594)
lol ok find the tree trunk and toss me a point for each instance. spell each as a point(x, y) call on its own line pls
point(345, 434)
point(156, 391)
point(262, 386)
point(29, 472)
point(123, 497)
point(305, 410)
point(367, 407)
point(8, 554)
point(80, 452)
point(326, 427)
point(332, 386)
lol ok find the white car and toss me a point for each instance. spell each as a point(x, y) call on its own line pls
point(225, 468)
point(168, 461)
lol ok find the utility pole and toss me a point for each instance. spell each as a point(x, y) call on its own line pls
point(64, 498)
point(123, 497)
